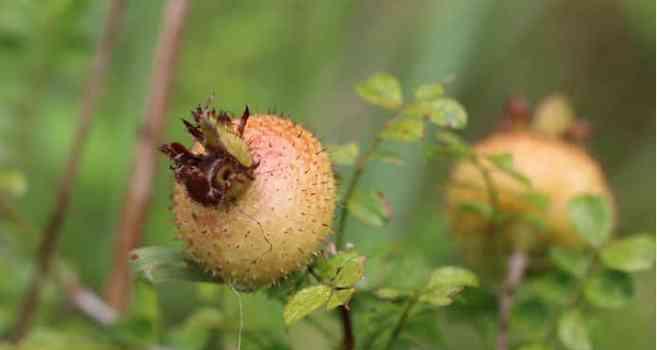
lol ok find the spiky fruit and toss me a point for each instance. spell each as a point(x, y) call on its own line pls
point(557, 170)
point(263, 213)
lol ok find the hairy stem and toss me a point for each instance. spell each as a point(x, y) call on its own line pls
point(517, 264)
point(138, 197)
point(51, 233)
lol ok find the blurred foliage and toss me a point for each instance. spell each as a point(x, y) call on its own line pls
point(302, 59)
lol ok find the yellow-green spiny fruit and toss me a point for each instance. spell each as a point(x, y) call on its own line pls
point(557, 169)
point(254, 199)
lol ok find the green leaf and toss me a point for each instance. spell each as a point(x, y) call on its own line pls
point(444, 283)
point(539, 200)
point(429, 92)
point(162, 263)
point(343, 270)
point(573, 332)
point(476, 207)
point(339, 297)
point(382, 90)
point(592, 218)
point(448, 113)
point(390, 294)
point(406, 129)
point(631, 254)
point(12, 182)
point(553, 288)
point(305, 302)
point(388, 157)
point(504, 163)
point(370, 207)
point(609, 289)
point(343, 154)
point(452, 144)
point(574, 262)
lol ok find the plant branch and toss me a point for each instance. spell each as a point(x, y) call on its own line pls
point(351, 189)
point(517, 264)
point(51, 233)
point(138, 197)
point(401, 323)
point(348, 339)
point(82, 298)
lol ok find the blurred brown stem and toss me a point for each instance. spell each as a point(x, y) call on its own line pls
point(82, 298)
point(51, 233)
point(517, 264)
point(139, 192)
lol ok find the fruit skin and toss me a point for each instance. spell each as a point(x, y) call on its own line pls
point(280, 220)
point(557, 169)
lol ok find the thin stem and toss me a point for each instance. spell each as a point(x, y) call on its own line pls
point(493, 196)
point(351, 189)
point(517, 264)
point(401, 323)
point(52, 231)
point(137, 200)
point(82, 298)
point(348, 340)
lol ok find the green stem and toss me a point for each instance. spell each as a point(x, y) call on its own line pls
point(401, 323)
point(351, 189)
point(493, 196)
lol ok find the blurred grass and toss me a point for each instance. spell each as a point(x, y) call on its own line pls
point(303, 59)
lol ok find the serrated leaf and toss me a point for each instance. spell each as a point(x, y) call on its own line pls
point(429, 92)
point(630, 254)
point(609, 289)
point(592, 217)
point(382, 90)
point(406, 129)
point(350, 273)
point(343, 270)
point(12, 182)
point(504, 163)
point(343, 154)
point(340, 297)
point(444, 283)
point(305, 302)
point(573, 332)
point(370, 207)
point(448, 113)
point(160, 264)
point(574, 262)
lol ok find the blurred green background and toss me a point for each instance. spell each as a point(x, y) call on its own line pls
point(303, 58)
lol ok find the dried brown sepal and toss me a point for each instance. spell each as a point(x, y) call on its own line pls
point(216, 173)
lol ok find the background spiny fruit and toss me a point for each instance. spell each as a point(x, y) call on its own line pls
point(273, 225)
point(557, 169)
